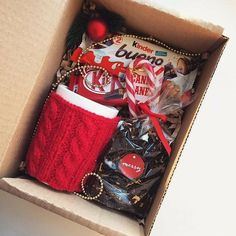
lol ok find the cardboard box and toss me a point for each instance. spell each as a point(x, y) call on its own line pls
point(32, 43)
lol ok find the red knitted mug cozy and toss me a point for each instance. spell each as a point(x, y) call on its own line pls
point(67, 144)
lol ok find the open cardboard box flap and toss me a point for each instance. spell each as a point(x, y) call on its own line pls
point(32, 43)
point(74, 208)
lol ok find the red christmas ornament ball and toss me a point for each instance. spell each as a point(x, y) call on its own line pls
point(97, 29)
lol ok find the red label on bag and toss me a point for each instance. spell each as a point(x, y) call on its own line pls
point(131, 165)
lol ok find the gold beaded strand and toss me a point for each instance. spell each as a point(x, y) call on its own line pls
point(86, 196)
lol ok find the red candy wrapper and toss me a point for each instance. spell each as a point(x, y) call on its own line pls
point(112, 94)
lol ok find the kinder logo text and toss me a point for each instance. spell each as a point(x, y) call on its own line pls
point(144, 48)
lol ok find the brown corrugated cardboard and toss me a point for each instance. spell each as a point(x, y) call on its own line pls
point(68, 205)
point(21, 208)
point(32, 39)
point(164, 26)
point(190, 116)
point(31, 47)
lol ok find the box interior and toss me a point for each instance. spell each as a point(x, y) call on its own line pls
point(24, 96)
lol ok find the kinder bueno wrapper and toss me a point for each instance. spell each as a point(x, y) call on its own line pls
point(116, 54)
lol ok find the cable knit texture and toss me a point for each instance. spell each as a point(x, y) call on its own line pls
point(67, 144)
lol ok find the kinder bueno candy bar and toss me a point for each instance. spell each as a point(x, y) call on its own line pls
point(116, 54)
